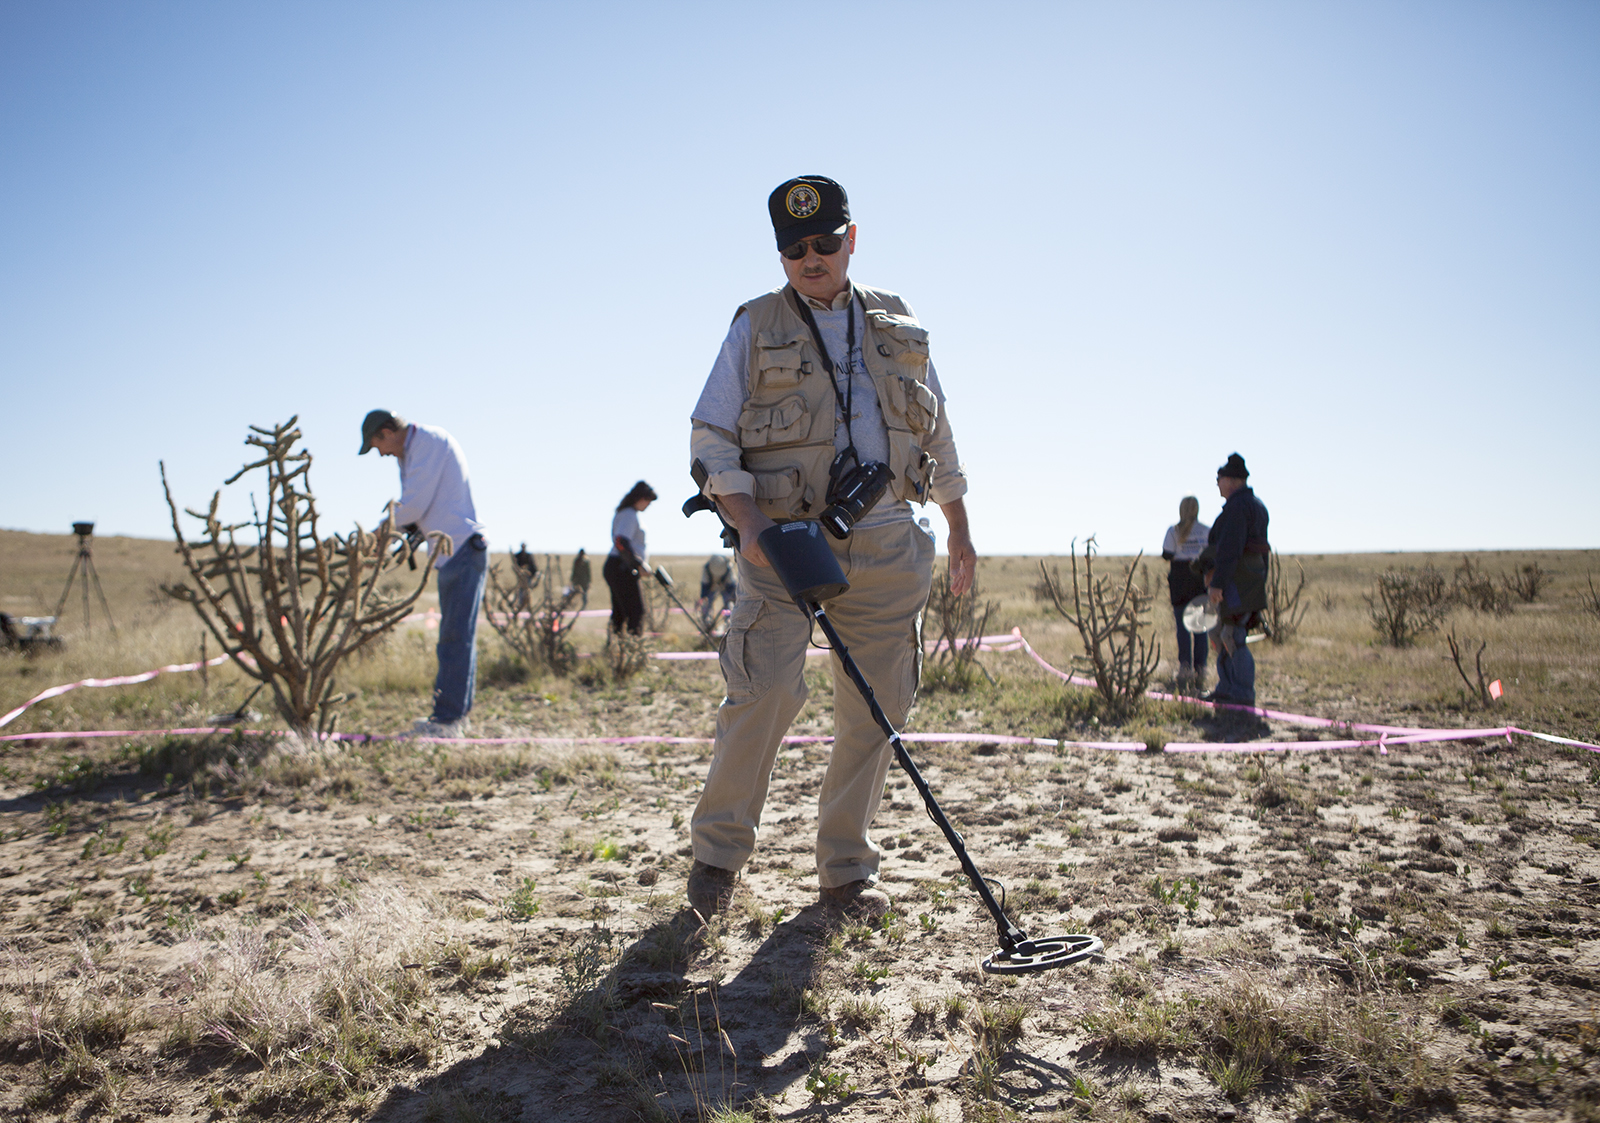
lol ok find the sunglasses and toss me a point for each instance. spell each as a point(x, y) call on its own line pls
point(825, 244)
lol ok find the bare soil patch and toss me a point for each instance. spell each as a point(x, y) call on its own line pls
point(231, 927)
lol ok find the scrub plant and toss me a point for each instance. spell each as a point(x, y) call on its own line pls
point(1405, 604)
point(960, 624)
point(539, 631)
point(289, 609)
point(1591, 599)
point(1473, 588)
point(1285, 610)
point(1480, 688)
point(1526, 583)
point(1108, 613)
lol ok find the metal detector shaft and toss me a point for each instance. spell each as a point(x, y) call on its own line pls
point(1010, 935)
point(666, 583)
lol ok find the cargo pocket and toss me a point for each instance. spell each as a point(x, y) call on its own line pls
point(912, 467)
point(921, 406)
point(781, 493)
point(778, 361)
point(901, 339)
point(781, 424)
point(736, 672)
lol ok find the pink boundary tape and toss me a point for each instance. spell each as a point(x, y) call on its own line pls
point(1013, 641)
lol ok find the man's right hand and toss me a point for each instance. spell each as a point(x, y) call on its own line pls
point(742, 511)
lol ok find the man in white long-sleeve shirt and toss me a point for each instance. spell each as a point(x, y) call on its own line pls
point(435, 495)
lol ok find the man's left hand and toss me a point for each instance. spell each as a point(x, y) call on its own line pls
point(963, 558)
point(1216, 596)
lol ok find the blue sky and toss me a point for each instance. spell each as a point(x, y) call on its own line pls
point(1357, 242)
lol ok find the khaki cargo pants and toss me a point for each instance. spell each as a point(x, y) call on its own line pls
point(763, 661)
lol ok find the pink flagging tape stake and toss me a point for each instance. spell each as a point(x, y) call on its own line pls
point(1495, 690)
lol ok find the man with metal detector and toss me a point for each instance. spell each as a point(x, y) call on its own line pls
point(716, 580)
point(822, 405)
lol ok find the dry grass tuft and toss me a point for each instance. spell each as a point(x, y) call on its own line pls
point(1367, 1057)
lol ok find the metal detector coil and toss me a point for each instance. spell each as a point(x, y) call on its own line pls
point(1044, 954)
point(1200, 615)
point(809, 571)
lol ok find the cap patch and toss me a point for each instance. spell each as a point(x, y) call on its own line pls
point(802, 200)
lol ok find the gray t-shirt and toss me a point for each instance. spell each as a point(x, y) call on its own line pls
point(625, 524)
point(722, 400)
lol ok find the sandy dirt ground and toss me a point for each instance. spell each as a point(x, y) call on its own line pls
point(1432, 909)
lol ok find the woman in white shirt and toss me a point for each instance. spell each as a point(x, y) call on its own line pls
point(627, 559)
point(1185, 539)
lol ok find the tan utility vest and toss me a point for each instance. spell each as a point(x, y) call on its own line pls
point(786, 429)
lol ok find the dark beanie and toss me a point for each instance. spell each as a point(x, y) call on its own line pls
point(1234, 467)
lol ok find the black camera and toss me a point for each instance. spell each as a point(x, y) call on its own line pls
point(853, 495)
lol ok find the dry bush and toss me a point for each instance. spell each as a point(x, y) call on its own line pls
point(1478, 689)
point(290, 608)
point(1527, 583)
point(1108, 615)
point(625, 654)
point(1473, 588)
point(1284, 608)
point(960, 625)
point(1591, 600)
point(1405, 604)
point(538, 631)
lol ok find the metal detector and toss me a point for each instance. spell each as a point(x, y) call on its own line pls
point(810, 573)
point(669, 585)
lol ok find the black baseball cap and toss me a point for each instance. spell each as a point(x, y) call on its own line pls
point(807, 205)
point(374, 421)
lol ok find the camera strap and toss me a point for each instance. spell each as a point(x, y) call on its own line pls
point(848, 397)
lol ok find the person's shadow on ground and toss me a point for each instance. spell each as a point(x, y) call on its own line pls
point(632, 1035)
point(1225, 724)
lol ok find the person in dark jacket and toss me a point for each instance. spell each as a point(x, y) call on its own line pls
point(581, 575)
point(1237, 583)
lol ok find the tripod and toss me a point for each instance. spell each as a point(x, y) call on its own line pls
point(85, 558)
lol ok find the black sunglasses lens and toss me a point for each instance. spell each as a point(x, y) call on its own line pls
point(825, 244)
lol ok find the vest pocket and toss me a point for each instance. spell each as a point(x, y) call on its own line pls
point(782, 493)
point(902, 339)
point(922, 406)
point(778, 361)
point(912, 467)
point(784, 423)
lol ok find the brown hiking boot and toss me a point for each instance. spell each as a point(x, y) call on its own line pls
point(710, 889)
point(859, 900)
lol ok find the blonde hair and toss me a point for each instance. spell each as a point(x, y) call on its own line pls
point(1188, 515)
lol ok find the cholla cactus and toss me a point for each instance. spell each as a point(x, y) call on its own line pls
point(291, 606)
point(1108, 615)
point(539, 630)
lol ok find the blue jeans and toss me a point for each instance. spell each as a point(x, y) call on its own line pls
point(460, 597)
point(1191, 648)
point(1236, 673)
